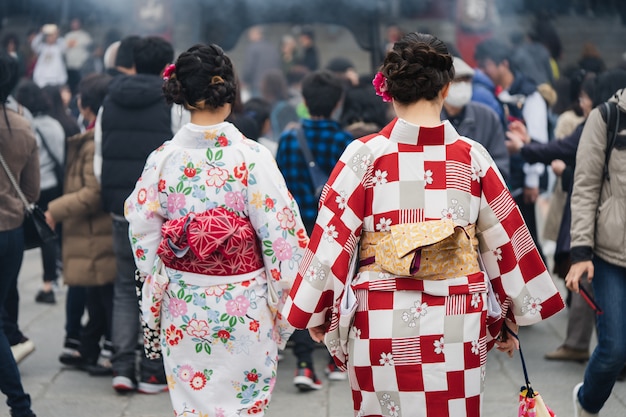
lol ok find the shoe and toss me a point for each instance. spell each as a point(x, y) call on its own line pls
point(70, 347)
point(564, 353)
point(21, 350)
point(45, 297)
point(578, 409)
point(72, 359)
point(152, 386)
point(306, 380)
point(98, 370)
point(334, 373)
point(123, 384)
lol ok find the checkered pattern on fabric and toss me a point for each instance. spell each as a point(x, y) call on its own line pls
point(408, 173)
point(416, 354)
point(327, 142)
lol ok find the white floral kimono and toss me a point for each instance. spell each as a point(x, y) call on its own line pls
point(219, 333)
point(418, 347)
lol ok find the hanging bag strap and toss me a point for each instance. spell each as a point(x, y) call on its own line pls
point(531, 392)
point(45, 145)
point(306, 151)
point(27, 206)
point(612, 114)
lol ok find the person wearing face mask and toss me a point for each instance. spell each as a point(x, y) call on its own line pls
point(475, 120)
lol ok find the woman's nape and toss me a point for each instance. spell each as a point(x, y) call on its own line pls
point(418, 71)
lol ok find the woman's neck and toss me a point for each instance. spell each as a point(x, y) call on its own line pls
point(422, 113)
point(210, 117)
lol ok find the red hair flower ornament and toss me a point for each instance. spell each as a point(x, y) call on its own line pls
point(169, 71)
point(380, 85)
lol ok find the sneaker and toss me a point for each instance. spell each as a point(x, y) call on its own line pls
point(21, 350)
point(334, 373)
point(123, 384)
point(306, 380)
point(45, 297)
point(565, 353)
point(578, 409)
point(152, 386)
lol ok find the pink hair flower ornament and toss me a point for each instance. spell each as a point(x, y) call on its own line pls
point(380, 85)
point(169, 71)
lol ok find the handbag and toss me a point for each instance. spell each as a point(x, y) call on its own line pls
point(318, 177)
point(150, 291)
point(531, 404)
point(36, 230)
point(342, 317)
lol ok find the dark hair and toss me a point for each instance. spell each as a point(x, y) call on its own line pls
point(259, 110)
point(58, 110)
point(8, 75)
point(607, 84)
point(321, 91)
point(92, 89)
point(418, 67)
point(10, 37)
point(152, 54)
point(204, 76)
point(8, 78)
point(125, 52)
point(492, 49)
point(31, 96)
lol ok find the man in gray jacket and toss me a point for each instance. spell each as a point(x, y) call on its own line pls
point(475, 120)
point(598, 249)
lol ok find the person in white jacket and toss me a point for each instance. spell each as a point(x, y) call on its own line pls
point(50, 68)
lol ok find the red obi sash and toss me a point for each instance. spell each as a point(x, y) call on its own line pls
point(215, 242)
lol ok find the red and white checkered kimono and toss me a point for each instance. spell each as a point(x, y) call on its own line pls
point(418, 348)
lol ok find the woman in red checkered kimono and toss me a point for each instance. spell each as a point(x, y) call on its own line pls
point(417, 207)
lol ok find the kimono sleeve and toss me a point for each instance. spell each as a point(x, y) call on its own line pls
point(145, 214)
point(323, 272)
point(274, 215)
point(520, 280)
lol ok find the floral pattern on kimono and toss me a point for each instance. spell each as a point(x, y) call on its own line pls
point(219, 333)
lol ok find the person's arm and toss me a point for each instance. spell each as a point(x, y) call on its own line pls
point(97, 139)
point(545, 153)
point(30, 176)
point(37, 43)
point(535, 114)
point(588, 181)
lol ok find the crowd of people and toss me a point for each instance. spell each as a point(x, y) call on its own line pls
point(194, 183)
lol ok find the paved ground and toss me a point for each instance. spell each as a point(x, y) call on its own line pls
point(61, 392)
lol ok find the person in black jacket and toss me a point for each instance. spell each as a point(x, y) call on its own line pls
point(135, 120)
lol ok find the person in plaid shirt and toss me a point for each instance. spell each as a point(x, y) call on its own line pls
point(322, 92)
point(414, 338)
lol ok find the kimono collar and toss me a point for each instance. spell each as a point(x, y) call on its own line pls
point(411, 134)
point(214, 136)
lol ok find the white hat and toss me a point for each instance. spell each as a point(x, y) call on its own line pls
point(49, 29)
point(461, 69)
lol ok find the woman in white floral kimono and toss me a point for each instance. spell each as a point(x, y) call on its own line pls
point(415, 204)
point(213, 208)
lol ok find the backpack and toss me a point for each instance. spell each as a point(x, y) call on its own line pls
point(611, 116)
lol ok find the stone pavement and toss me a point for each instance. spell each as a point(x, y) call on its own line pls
point(62, 392)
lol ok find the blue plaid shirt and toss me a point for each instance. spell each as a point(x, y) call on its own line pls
point(327, 142)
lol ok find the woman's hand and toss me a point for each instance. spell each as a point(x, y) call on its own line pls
point(558, 167)
point(317, 333)
point(505, 342)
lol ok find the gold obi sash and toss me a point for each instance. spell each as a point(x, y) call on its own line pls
point(431, 250)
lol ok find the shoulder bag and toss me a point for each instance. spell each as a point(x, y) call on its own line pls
point(36, 230)
point(318, 177)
